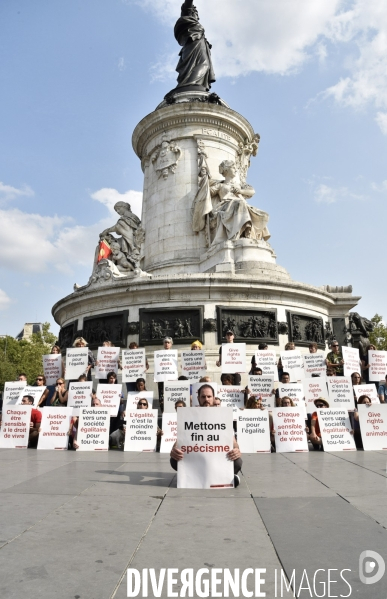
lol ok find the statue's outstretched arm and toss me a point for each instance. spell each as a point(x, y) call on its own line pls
point(188, 4)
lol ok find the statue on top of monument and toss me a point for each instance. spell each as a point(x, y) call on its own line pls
point(125, 250)
point(195, 64)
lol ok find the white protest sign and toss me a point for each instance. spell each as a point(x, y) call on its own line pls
point(133, 364)
point(341, 392)
point(293, 363)
point(373, 426)
point(135, 396)
point(254, 431)
point(15, 428)
point(165, 365)
point(169, 427)
point(195, 389)
point(266, 360)
point(52, 368)
point(232, 397)
point(369, 390)
point(233, 357)
point(93, 429)
point(262, 386)
point(351, 360)
point(314, 364)
point(205, 437)
point(293, 390)
point(76, 362)
point(107, 359)
point(193, 365)
point(314, 388)
point(12, 392)
point(79, 396)
point(110, 397)
point(141, 430)
point(335, 429)
point(35, 392)
point(54, 428)
point(175, 391)
point(377, 361)
point(289, 427)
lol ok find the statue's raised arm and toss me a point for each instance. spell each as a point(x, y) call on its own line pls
point(187, 5)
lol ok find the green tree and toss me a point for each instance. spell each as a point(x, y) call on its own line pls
point(379, 335)
point(24, 355)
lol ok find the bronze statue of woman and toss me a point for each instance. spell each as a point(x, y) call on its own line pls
point(195, 64)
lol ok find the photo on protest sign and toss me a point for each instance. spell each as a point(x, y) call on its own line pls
point(107, 361)
point(35, 392)
point(110, 397)
point(79, 396)
point(134, 397)
point(313, 389)
point(369, 390)
point(289, 430)
point(263, 387)
point(165, 365)
point(233, 358)
point(169, 428)
point(335, 428)
point(377, 361)
point(133, 362)
point(314, 364)
point(93, 429)
point(77, 360)
point(293, 363)
point(141, 430)
point(293, 390)
point(205, 437)
point(341, 393)
point(266, 360)
point(12, 392)
point(193, 365)
point(54, 428)
point(52, 368)
point(351, 359)
point(373, 426)
point(15, 427)
point(195, 390)
point(175, 391)
point(232, 397)
point(254, 431)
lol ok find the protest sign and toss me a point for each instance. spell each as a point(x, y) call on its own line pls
point(373, 426)
point(54, 428)
point(141, 430)
point(169, 427)
point(195, 389)
point(262, 386)
point(313, 389)
point(175, 391)
point(79, 396)
point(369, 390)
point(314, 364)
point(232, 397)
point(133, 364)
point(15, 428)
point(254, 431)
point(135, 396)
point(351, 360)
point(35, 392)
point(205, 437)
point(293, 390)
point(377, 361)
point(233, 357)
point(52, 368)
point(12, 392)
point(107, 358)
point(266, 360)
point(293, 363)
point(193, 365)
point(341, 393)
point(165, 365)
point(289, 427)
point(110, 397)
point(77, 360)
point(335, 429)
point(93, 429)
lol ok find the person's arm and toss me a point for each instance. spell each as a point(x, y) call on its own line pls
point(313, 436)
point(235, 452)
point(176, 454)
point(63, 397)
point(219, 362)
point(42, 400)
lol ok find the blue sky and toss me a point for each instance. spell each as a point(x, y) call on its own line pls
point(77, 76)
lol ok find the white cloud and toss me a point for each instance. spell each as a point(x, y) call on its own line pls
point(325, 194)
point(8, 193)
point(121, 64)
point(5, 301)
point(380, 188)
point(108, 197)
point(381, 119)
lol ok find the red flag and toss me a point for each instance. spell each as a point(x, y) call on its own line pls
point(104, 250)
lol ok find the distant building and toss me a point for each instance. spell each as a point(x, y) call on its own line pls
point(29, 329)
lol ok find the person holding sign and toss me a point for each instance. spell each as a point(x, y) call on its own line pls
point(115, 364)
point(60, 395)
point(363, 399)
point(167, 345)
point(315, 433)
point(81, 342)
point(36, 419)
point(229, 339)
point(131, 385)
point(334, 359)
point(40, 381)
point(365, 367)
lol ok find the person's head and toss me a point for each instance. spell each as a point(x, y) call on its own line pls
point(60, 383)
point(227, 379)
point(312, 348)
point(290, 345)
point(330, 371)
point(180, 404)
point(206, 396)
point(321, 403)
point(55, 349)
point(256, 371)
point(167, 342)
point(285, 378)
point(40, 380)
point(111, 378)
point(207, 379)
point(217, 402)
point(287, 402)
point(196, 345)
point(183, 378)
point(263, 346)
point(229, 336)
point(356, 378)
point(142, 404)
point(364, 399)
point(82, 378)
point(140, 384)
point(133, 345)
point(254, 402)
point(22, 376)
point(80, 342)
point(107, 344)
point(27, 400)
point(335, 347)
point(95, 401)
point(370, 347)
